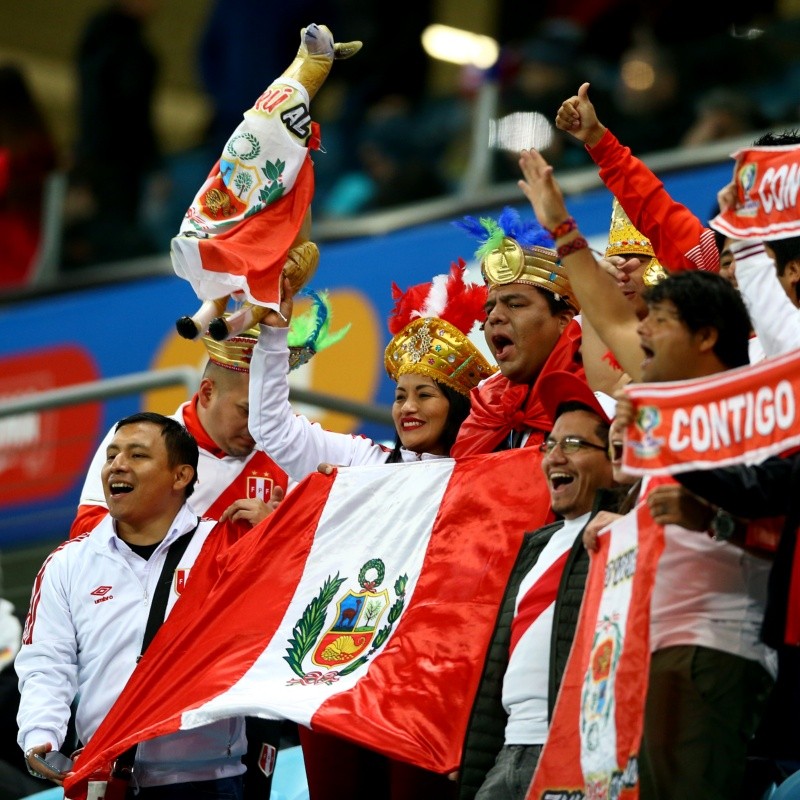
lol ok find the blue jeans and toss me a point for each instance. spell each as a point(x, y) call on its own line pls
point(512, 773)
point(220, 789)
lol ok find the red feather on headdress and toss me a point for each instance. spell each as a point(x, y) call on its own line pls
point(448, 297)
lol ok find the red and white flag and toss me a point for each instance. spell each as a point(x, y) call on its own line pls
point(363, 607)
point(767, 181)
point(592, 748)
point(743, 414)
point(247, 215)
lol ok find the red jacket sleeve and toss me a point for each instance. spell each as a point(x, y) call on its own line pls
point(679, 238)
point(87, 519)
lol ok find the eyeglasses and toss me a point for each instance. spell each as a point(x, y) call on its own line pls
point(569, 445)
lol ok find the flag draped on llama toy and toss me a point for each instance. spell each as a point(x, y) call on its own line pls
point(251, 220)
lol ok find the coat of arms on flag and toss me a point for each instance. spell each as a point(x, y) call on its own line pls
point(354, 634)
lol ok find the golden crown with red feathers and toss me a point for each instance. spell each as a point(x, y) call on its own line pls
point(431, 323)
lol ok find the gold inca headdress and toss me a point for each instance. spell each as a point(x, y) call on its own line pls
point(308, 334)
point(234, 353)
point(625, 240)
point(431, 323)
point(513, 251)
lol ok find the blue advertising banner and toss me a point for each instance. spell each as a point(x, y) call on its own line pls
point(129, 327)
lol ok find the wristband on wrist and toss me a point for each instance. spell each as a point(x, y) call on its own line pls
point(564, 228)
point(578, 243)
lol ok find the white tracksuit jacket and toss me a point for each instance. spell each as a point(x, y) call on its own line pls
point(85, 626)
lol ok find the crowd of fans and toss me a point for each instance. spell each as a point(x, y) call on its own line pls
point(670, 300)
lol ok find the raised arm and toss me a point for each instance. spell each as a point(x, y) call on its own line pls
point(601, 301)
point(679, 238)
point(297, 445)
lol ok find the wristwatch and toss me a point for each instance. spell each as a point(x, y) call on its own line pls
point(722, 526)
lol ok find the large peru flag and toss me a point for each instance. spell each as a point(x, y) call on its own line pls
point(362, 607)
point(592, 748)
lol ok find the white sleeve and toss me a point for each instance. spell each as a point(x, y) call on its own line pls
point(297, 445)
point(47, 663)
point(776, 320)
point(92, 492)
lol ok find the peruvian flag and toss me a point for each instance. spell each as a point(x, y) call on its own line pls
point(592, 748)
point(363, 607)
point(250, 210)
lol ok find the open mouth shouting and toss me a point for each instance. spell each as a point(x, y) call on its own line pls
point(117, 488)
point(648, 355)
point(559, 481)
point(502, 346)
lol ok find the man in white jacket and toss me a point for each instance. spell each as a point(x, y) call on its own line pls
point(90, 608)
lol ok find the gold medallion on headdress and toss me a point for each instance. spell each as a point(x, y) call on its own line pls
point(513, 251)
point(625, 240)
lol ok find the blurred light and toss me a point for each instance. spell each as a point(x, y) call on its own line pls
point(746, 33)
point(638, 75)
point(521, 131)
point(459, 46)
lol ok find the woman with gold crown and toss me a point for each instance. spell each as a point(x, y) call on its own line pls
point(430, 357)
point(435, 366)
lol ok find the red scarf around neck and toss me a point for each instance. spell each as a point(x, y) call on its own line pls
point(194, 426)
point(500, 406)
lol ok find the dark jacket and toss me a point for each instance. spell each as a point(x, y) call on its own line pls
point(769, 489)
point(486, 729)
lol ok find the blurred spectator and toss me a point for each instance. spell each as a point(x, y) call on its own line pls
point(722, 113)
point(649, 104)
point(395, 168)
point(539, 71)
point(27, 158)
point(546, 68)
point(116, 150)
point(235, 68)
point(388, 79)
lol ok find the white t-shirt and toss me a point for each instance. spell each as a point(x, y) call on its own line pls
point(525, 686)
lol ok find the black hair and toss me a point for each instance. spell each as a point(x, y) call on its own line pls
point(772, 139)
point(706, 299)
point(785, 250)
point(181, 445)
point(719, 238)
point(556, 303)
point(457, 412)
point(601, 429)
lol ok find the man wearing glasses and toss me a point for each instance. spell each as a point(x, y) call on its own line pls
point(536, 623)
